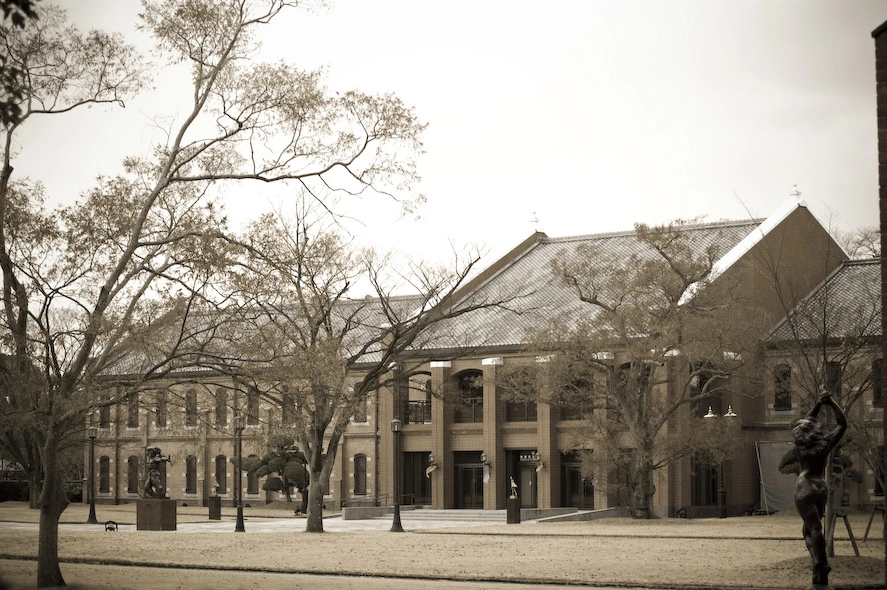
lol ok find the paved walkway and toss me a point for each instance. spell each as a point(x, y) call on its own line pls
point(273, 525)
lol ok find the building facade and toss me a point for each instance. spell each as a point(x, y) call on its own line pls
point(464, 449)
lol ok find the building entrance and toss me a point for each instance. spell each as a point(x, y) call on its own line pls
point(576, 491)
point(521, 467)
point(469, 480)
point(416, 486)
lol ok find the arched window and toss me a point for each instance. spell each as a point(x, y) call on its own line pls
point(418, 404)
point(360, 475)
point(222, 474)
point(132, 474)
point(470, 403)
point(360, 410)
point(104, 475)
point(782, 387)
point(191, 474)
point(252, 480)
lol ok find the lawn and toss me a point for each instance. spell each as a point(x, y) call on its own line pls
point(743, 552)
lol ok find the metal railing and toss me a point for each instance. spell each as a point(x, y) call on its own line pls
point(417, 412)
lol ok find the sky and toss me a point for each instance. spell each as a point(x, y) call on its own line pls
point(570, 117)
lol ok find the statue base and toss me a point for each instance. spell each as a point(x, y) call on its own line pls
point(512, 511)
point(819, 587)
point(155, 514)
point(214, 503)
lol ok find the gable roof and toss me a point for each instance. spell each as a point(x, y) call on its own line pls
point(847, 304)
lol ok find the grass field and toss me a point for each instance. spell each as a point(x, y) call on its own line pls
point(743, 552)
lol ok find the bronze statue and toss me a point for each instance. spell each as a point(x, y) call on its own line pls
point(813, 443)
point(153, 460)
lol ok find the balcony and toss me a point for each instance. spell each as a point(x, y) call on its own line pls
point(417, 412)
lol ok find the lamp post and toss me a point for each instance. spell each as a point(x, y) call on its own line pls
point(93, 433)
point(396, 426)
point(238, 490)
point(722, 490)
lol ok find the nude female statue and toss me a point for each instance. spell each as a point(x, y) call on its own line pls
point(813, 443)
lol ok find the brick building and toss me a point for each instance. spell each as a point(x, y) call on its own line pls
point(465, 455)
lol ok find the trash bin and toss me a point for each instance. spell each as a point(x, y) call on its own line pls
point(512, 511)
point(215, 507)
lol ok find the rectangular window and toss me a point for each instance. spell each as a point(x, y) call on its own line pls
point(190, 408)
point(877, 393)
point(160, 411)
point(132, 410)
point(221, 406)
point(360, 411)
point(833, 378)
point(287, 408)
point(520, 411)
point(105, 412)
point(252, 407)
point(879, 479)
point(782, 386)
point(132, 474)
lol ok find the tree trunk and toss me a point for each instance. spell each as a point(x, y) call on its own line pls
point(287, 489)
point(642, 493)
point(315, 503)
point(52, 503)
point(33, 489)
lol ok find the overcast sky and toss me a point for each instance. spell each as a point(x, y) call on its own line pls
point(589, 114)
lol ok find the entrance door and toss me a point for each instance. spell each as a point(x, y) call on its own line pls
point(521, 467)
point(527, 486)
point(469, 486)
point(576, 490)
point(416, 486)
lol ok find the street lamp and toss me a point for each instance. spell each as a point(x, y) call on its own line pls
point(722, 490)
point(238, 490)
point(92, 432)
point(396, 426)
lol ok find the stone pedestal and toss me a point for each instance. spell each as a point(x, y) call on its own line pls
point(512, 511)
point(155, 514)
point(215, 507)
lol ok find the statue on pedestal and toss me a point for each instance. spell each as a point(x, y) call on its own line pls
point(813, 443)
point(153, 464)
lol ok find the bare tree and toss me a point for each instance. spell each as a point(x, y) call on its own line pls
point(862, 242)
point(82, 283)
point(299, 338)
point(649, 318)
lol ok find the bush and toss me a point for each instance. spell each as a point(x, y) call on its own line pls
point(13, 491)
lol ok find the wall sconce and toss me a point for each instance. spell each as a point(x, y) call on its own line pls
point(486, 464)
point(538, 459)
point(431, 465)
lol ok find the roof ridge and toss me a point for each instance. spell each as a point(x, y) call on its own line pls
point(631, 232)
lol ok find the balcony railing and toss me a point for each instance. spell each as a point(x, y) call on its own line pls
point(417, 412)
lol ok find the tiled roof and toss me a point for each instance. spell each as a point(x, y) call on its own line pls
point(549, 297)
point(528, 270)
point(846, 304)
